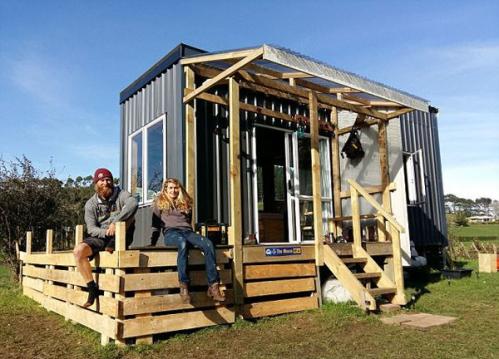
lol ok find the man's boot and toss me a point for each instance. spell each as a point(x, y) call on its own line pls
point(214, 292)
point(93, 293)
point(184, 293)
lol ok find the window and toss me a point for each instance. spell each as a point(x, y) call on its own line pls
point(147, 154)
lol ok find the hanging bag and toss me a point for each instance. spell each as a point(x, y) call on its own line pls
point(353, 148)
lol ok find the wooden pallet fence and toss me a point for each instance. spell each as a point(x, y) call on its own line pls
point(280, 283)
point(140, 292)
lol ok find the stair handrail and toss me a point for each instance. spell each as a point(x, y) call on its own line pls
point(372, 201)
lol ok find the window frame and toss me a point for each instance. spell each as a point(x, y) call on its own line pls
point(143, 131)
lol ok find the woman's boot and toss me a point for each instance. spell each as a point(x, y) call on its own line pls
point(214, 292)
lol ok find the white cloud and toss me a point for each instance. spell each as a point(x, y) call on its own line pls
point(465, 58)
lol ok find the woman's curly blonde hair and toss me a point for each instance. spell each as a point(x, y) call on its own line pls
point(183, 203)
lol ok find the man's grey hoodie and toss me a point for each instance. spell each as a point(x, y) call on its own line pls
point(99, 213)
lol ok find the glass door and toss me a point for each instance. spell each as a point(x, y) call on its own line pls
point(292, 187)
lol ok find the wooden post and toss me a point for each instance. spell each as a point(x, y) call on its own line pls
point(29, 237)
point(78, 234)
point(49, 248)
point(385, 180)
point(120, 341)
point(316, 179)
point(397, 268)
point(104, 339)
point(357, 234)
point(120, 236)
point(335, 156)
point(147, 339)
point(190, 141)
point(235, 229)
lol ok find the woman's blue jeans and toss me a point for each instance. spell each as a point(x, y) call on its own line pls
point(183, 239)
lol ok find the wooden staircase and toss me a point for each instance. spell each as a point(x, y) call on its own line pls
point(368, 284)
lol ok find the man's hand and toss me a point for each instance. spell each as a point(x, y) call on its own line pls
point(109, 250)
point(111, 230)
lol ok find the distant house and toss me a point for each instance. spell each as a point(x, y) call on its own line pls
point(481, 219)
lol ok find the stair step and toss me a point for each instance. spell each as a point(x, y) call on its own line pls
point(380, 291)
point(367, 275)
point(354, 260)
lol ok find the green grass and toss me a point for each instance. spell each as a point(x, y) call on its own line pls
point(27, 330)
point(476, 230)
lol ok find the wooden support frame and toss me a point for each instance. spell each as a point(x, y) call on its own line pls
point(235, 229)
point(190, 138)
point(226, 73)
point(316, 178)
point(335, 157)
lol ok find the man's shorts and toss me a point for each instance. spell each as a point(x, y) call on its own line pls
point(98, 244)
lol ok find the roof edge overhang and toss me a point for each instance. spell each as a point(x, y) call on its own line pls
point(167, 61)
point(315, 68)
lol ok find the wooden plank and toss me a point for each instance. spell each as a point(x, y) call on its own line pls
point(168, 257)
point(104, 259)
point(218, 57)
point(373, 248)
point(274, 307)
point(33, 283)
point(371, 190)
point(147, 339)
point(235, 229)
point(37, 296)
point(257, 289)
point(120, 236)
point(149, 281)
point(171, 302)
point(104, 305)
point(174, 322)
point(281, 270)
point(365, 123)
point(109, 296)
point(49, 241)
point(190, 137)
point(262, 254)
point(347, 278)
point(105, 281)
point(92, 320)
point(295, 75)
point(316, 178)
point(226, 73)
point(357, 99)
point(376, 205)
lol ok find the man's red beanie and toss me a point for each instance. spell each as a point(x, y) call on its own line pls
point(101, 173)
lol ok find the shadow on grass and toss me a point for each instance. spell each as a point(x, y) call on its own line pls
point(417, 281)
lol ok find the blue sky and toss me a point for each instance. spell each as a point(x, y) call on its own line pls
point(63, 64)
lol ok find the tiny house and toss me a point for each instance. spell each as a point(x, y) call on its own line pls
point(299, 171)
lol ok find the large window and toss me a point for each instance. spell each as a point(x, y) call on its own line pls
point(147, 153)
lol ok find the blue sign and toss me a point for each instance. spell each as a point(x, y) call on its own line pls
point(282, 251)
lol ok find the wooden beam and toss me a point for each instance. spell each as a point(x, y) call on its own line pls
point(78, 234)
point(371, 190)
point(316, 178)
point(357, 234)
point(334, 90)
point(235, 229)
point(258, 254)
point(398, 113)
point(190, 139)
point(335, 156)
point(368, 122)
point(376, 103)
point(323, 100)
point(220, 57)
point(274, 307)
point(120, 236)
point(284, 286)
point(385, 178)
point(295, 75)
point(357, 99)
point(226, 73)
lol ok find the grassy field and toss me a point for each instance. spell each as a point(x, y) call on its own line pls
point(28, 331)
point(476, 230)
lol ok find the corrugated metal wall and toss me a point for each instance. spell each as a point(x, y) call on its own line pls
point(427, 220)
point(162, 95)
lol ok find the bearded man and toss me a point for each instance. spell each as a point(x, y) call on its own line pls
point(107, 206)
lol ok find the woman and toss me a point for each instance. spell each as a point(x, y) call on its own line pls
point(172, 213)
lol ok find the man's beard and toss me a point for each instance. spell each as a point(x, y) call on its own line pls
point(104, 192)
